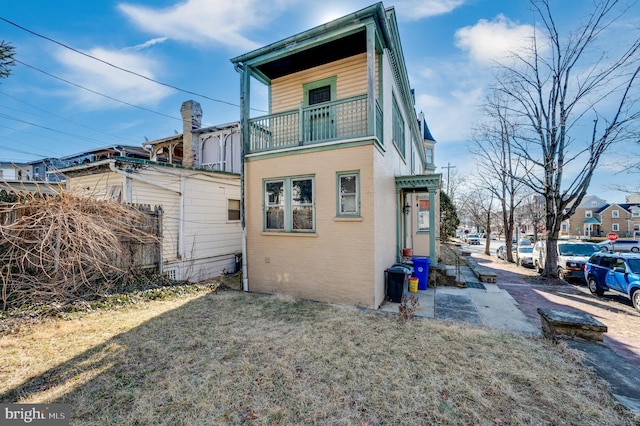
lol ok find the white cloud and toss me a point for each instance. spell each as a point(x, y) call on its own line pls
point(494, 41)
point(413, 10)
point(148, 43)
point(104, 79)
point(205, 21)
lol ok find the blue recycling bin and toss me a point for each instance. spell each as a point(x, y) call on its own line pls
point(421, 271)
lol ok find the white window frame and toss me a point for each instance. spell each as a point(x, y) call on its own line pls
point(615, 214)
point(423, 214)
point(230, 210)
point(588, 214)
point(615, 227)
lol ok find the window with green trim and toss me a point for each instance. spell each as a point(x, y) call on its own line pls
point(348, 194)
point(289, 204)
point(320, 91)
point(398, 127)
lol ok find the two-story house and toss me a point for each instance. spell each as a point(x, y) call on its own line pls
point(623, 219)
point(336, 179)
point(585, 222)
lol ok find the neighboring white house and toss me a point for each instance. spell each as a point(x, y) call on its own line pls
point(200, 200)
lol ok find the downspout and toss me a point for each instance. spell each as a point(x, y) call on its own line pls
point(399, 214)
point(181, 221)
point(244, 131)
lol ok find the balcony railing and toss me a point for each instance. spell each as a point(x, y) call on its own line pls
point(329, 121)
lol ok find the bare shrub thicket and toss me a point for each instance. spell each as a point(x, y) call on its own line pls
point(64, 247)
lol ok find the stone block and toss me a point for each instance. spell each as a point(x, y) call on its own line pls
point(566, 324)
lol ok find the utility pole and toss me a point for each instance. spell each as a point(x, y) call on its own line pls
point(449, 167)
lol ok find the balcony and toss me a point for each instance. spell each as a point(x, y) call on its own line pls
point(329, 121)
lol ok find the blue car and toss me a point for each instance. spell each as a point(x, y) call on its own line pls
point(616, 272)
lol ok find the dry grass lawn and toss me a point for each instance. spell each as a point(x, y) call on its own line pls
point(235, 358)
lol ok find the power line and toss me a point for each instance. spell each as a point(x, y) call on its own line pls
point(115, 66)
point(93, 91)
point(64, 118)
point(8, 117)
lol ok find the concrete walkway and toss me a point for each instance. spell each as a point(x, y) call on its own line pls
point(488, 305)
point(479, 303)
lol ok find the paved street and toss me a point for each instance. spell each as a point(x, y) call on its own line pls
point(532, 292)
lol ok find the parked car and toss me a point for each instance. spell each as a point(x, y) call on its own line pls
point(524, 255)
point(616, 272)
point(621, 245)
point(501, 252)
point(473, 239)
point(572, 255)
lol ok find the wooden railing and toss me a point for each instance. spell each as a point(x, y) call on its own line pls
point(342, 119)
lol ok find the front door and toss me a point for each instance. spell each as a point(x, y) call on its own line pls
point(321, 120)
point(418, 226)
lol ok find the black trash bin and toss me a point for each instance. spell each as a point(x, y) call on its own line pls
point(396, 280)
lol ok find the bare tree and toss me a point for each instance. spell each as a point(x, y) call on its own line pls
point(477, 205)
point(561, 87)
point(7, 52)
point(499, 172)
point(453, 183)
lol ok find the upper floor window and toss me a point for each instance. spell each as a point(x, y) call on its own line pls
point(563, 226)
point(594, 204)
point(320, 91)
point(429, 155)
point(398, 127)
point(615, 214)
point(289, 204)
point(588, 213)
point(635, 213)
point(348, 194)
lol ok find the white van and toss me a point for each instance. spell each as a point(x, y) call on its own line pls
point(572, 255)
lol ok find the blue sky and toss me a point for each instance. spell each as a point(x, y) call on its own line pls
point(449, 46)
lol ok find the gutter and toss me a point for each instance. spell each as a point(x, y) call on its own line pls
point(244, 106)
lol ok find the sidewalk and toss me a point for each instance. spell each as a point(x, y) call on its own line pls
point(480, 304)
point(488, 305)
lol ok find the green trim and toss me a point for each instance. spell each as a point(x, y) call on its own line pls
point(288, 203)
point(313, 148)
point(329, 81)
point(398, 130)
point(428, 182)
point(339, 175)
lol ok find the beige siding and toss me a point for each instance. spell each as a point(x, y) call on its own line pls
point(336, 263)
point(351, 73)
point(145, 193)
point(94, 185)
point(198, 240)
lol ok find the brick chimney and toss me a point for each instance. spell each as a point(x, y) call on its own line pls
point(191, 120)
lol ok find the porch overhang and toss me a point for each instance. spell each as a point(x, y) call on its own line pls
point(423, 183)
point(592, 221)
